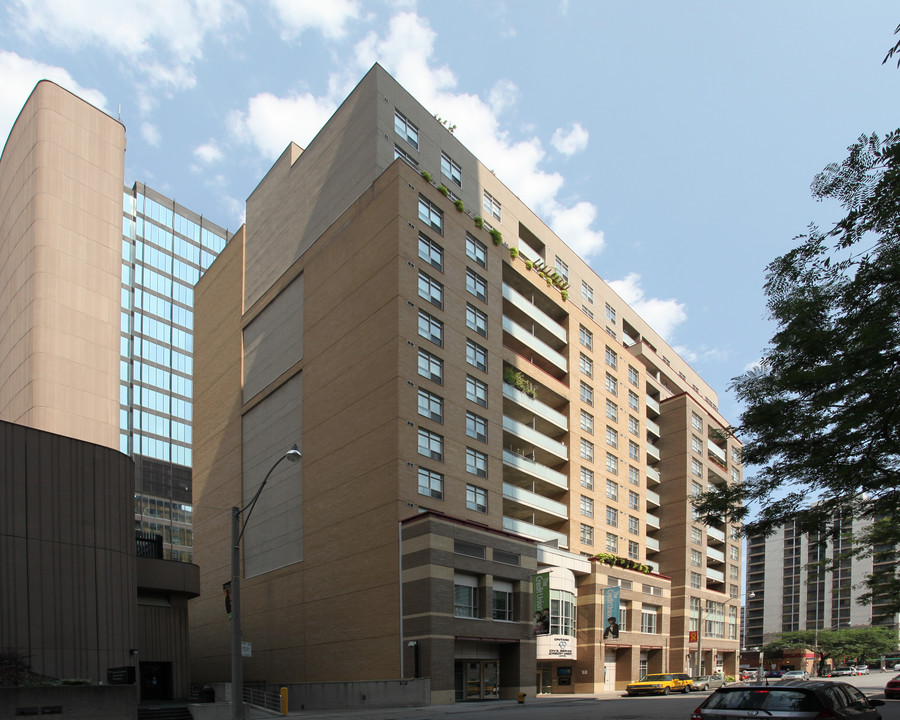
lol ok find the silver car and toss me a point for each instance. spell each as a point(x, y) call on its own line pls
point(795, 675)
point(707, 682)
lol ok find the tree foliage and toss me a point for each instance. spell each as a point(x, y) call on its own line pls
point(822, 408)
point(845, 646)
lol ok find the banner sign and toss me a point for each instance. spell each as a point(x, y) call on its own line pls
point(226, 589)
point(611, 598)
point(540, 592)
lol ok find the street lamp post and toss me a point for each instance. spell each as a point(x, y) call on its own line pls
point(237, 532)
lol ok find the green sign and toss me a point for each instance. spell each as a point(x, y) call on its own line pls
point(540, 593)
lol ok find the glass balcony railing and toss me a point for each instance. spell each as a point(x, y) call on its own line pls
point(534, 469)
point(652, 452)
point(536, 438)
point(652, 521)
point(715, 555)
point(535, 344)
point(536, 407)
point(652, 474)
point(535, 532)
point(652, 544)
point(652, 498)
point(715, 534)
point(535, 501)
point(534, 313)
point(715, 575)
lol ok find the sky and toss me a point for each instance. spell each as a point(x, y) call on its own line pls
point(671, 144)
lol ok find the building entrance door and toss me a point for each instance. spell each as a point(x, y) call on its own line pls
point(477, 680)
point(609, 671)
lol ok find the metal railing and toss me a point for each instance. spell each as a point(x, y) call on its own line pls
point(262, 698)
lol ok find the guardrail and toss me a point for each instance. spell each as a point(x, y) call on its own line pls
point(262, 698)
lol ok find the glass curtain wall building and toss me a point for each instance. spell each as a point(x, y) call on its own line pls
point(165, 250)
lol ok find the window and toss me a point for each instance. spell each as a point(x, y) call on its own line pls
point(610, 332)
point(587, 422)
point(696, 421)
point(610, 313)
point(735, 454)
point(586, 337)
point(612, 542)
point(476, 285)
point(562, 268)
point(491, 206)
point(612, 436)
point(612, 490)
point(634, 525)
point(587, 506)
point(634, 450)
point(696, 467)
point(696, 445)
point(648, 619)
point(476, 391)
point(612, 464)
point(431, 366)
point(696, 558)
point(476, 250)
point(735, 553)
point(507, 558)
point(476, 426)
point(431, 405)
point(431, 328)
point(733, 591)
point(431, 290)
point(634, 425)
point(587, 311)
point(586, 365)
point(431, 444)
point(465, 596)
point(612, 385)
point(634, 475)
point(633, 400)
point(634, 500)
point(612, 516)
point(476, 320)
point(696, 536)
point(587, 292)
point(587, 450)
point(587, 534)
point(633, 376)
point(476, 462)
point(476, 498)
point(696, 580)
point(431, 483)
point(450, 170)
point(612, 410)
point(587, 478)
point(611, 358)
point(634, 550)
point(503, 600)
point(405, 129)
point(733, 572)
point(587, 394)
point(399, 152)
point(476, 355)
point(431, 252)
point(461, 547)
point(431, 215)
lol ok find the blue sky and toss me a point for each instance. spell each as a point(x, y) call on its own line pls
point(670, 143)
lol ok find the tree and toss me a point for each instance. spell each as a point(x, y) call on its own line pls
point(822, 408)
point(845, 646)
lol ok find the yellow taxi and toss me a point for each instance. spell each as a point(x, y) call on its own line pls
point(660, 684)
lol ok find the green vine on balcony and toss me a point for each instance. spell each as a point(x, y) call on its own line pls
point(627, 563)
point(517, 379)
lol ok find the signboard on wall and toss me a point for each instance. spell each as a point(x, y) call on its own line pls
point(611, 604)
point(540, 593)
point(562, 647)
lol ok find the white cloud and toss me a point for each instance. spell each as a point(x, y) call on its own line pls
point(20, 75)
point(329, 17)
point(209, 153)
point(151, 134)
point(662, 315)
point(504, 94)
point(571, 141)
point(573, 224)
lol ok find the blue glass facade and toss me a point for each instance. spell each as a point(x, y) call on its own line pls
point(165, 250)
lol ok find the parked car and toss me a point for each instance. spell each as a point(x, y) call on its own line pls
point(892, 689)
point(788, 699)
point(774, 673)
point(795, 675)
point(660, 684)
point(841, 671)
point(862, 669)
point(707, 682)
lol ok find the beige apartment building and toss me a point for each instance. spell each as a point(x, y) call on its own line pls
point(476, 409)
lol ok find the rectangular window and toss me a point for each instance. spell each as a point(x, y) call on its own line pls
point(696, 536)
point(587, 450)
point(633, 376)
point(612, 437)
point(696, 558)
point(450, 170)
point(634, 425)
point(587, 292)
point(431, 366)
point(612, 464)
point(696, 580)
point(476, 462)
point(696, 445)
point(634, 525)
point(476, 426)
point(587, 534)
point(612, 542)
point(587, 394)
point(586, 337)
point(587, 422)
point(610, 313)
point(587, 311)
point(476, 284)
point(696, 467)
point(476, 320)
point(612, 411)
point(476, 250)
point(431, 328)
point(612, 516)
point(586, 365)
point(431, 290)
point(431, 444)
point(431, 405)
point(431, 215)
point(476, 391)
point(735, 454)
point(612, 385)
point(492, 206)
point(634, 500)
point(735, 553)
point(431, 483)
point(587, 506)
point(612, 490)
point(611, 358)
point(503, 600)
point(634, 550)
point(405, 129)
point(431, 252)
point(465, 596)
point(587, 478)
point(648, 620)
point(562, 268)
point(733, 572)
point(476, 498)
point(633, 400)
point(476, 355)
point(696, 421)
point(634, 475)
point(399, 152)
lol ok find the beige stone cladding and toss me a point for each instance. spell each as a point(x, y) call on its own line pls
point(61, 179)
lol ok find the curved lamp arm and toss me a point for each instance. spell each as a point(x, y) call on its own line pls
point(294, 456)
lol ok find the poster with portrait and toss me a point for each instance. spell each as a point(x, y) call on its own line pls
point(540, 593)
point(611, 602)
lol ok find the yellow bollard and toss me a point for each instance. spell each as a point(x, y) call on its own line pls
point(284, 704)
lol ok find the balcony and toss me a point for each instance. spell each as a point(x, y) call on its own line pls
point(530, 470)
point(652, 474)
point(534, 313)
point(652, 499)
point(533, 504)
point(716, 556)
point(654, 566)
point(652, 428)
point(652, 521)
point(714, 534)
point(531, 347)
point(716, 454)
point(715, 575)
point(535, 408)
point(652, 453)
point(652, 405)
point(535, 438)
point(652, 544)
point(535, 532)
